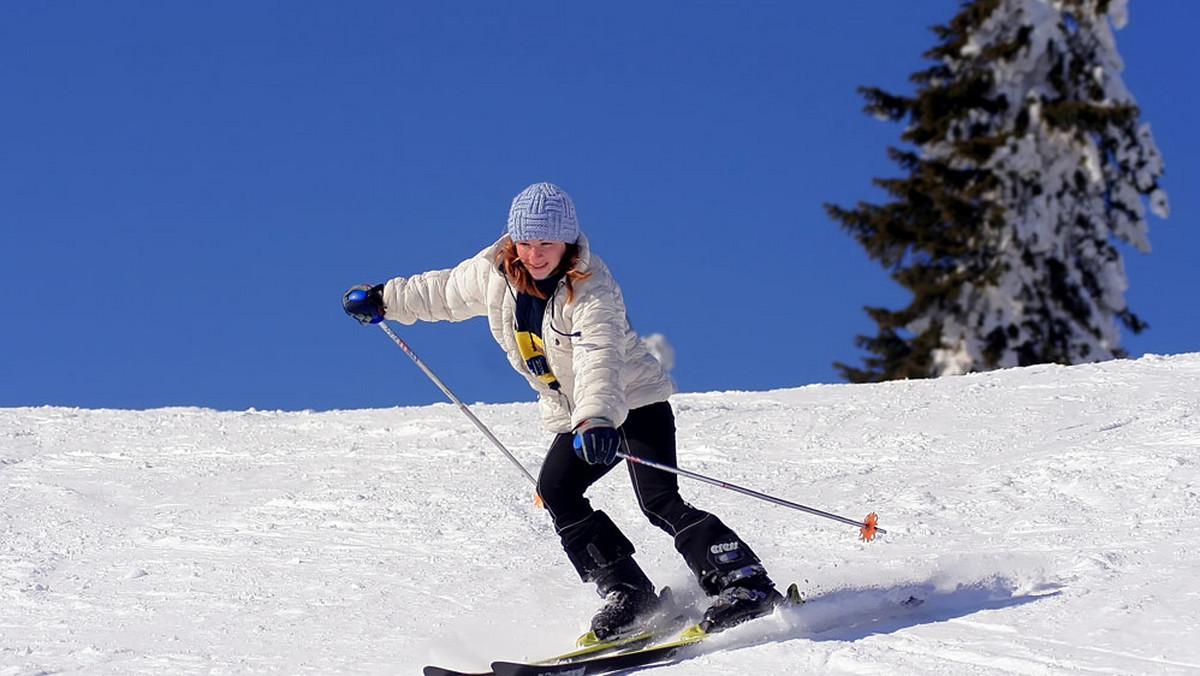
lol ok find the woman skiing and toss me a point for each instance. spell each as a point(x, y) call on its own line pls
point(552, 305)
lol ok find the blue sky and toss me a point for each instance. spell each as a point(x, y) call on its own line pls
point(186, 189)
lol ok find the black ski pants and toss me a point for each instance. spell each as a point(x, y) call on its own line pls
point(591, 540)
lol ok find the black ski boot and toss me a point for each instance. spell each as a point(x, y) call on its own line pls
point(624, 605)
point(629, 599)
point(746, 593)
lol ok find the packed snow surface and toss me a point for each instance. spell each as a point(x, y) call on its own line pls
point(1046, 516)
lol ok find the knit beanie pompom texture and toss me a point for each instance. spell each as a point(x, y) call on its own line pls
point(543, 211)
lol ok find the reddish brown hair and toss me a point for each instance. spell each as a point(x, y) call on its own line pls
point(510, 264)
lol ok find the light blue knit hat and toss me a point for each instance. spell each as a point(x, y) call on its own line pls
point(543, 211)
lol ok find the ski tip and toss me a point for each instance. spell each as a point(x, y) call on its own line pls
point(439, 671)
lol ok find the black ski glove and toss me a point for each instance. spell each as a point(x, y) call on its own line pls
point(597, 441)
point(365, 303)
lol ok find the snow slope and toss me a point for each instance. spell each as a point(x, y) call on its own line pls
point(1046, 515)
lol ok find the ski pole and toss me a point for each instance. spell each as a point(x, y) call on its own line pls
point(461, 406)
point(867, 528)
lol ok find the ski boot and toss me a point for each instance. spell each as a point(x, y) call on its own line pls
point(746, 593)
point(624, 607)
point(629, 599)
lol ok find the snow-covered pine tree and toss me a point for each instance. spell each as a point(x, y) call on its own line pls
point(1029, 164)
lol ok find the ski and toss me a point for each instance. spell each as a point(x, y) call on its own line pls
point(603, 664)
point(624, 643)
point(660, 627)
point(629, 652)
point(629, 658)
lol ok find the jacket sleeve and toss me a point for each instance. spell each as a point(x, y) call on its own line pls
point(599, 353)
point(440, 295)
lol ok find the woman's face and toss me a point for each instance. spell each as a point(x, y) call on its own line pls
point(540, 257)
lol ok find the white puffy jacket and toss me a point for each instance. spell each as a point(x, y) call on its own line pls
point(602, 366)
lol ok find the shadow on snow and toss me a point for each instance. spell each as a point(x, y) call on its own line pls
point(853, 614)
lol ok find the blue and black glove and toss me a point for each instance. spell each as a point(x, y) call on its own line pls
point(597, 441)
point(365, 303)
